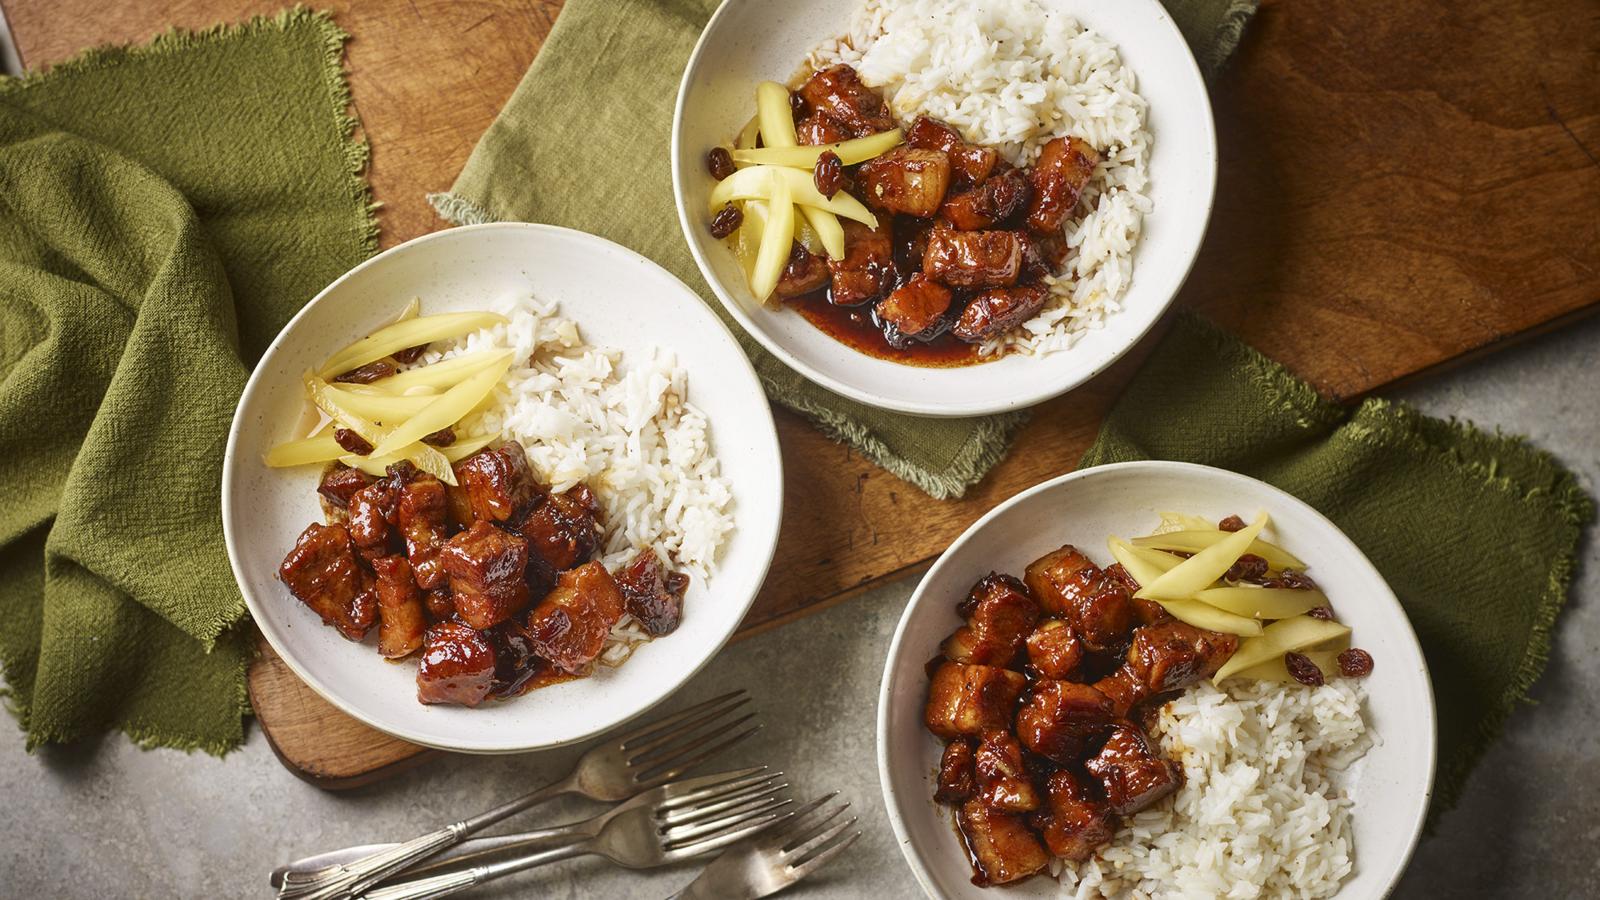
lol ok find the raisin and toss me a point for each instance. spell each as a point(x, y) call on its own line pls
point(1303, 669)
point(1231, 523)
point(410, 354)
point(720, 162)
point(1120, 575)
point(444, 437)
point(1248, 567)
point(797, 106)
point(726, 221)
point(351, 441)
point(368, 373)
point(828, 175)
point(1289, 579)
point(1355, 663)
point(1325, 613)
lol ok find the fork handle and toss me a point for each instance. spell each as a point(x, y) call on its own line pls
point(447, 883)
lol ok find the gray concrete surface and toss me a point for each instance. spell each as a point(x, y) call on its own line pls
point(112, 821)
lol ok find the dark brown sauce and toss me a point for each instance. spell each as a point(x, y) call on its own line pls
point(852, 326)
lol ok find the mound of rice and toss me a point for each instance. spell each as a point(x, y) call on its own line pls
point(624, 427)
point(1262, 812)
point(1012, 75)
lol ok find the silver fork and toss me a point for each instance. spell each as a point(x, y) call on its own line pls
point(648, 831)
point(777, 857)
point(641, 759)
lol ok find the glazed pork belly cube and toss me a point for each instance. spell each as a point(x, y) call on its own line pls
point(1125, 690)
point(817, 129)
point(805, 273)
point(970, 164)
point(1054, 651)
point(973, 259)
point(1074, 822)
point(1000, 775)
point(1130, 772)
point(457, 666)
point(1004, 849)
point(969, 700)
point(570, 625)
point(1000, 614)
point(867, 270)
point(837, 92)
point(565, 530)
point(371, 518)
point(422, 515)
point(487, 568)
point(340, 482)
point(1068, 585)
point(957, 779)
point(905, 180)
point(916, 307)
point(499, 485)
point(995, 312)
point(987, 204)
point(1172, 655)
point(1058, 718)
point(323, 572)
point(401, 616)
point(1058, 176)
point(653, 593)
point(1042, 255)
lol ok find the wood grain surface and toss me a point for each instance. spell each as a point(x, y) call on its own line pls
point(1402, 186)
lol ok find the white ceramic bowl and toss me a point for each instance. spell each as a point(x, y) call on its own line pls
point(1391, 784)
point(748, 41)
point(619, 299)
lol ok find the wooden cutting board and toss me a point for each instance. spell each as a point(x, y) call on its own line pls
point(1402, 186)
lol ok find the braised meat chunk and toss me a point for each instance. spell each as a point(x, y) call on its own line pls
point(969, 700)
point(970, 164)
point(1000, 615)
point(371, 515)
point(401, 619)
point(973, 259)
point(987, 204)
point(1125, 690)
point(423, 517)
point(905, 180)
point(1075, 822)
point(565, 530)
point(1002, 779)
point(323, 572)
point(867, 270)
point(340, 482)
point(653, 593)
point(457, 665)
point(1059, 717)
point(570, 625)
point(1130, 772)
point(1004, 849)
point(817, 129)
point(1053, 650)
point(837, 92)
point(1058, 176)
point(997, 311)
point(499, 484)
point(1173, 655)
point(957, 780)
point(916, 307)
point(805, 272)
point(486, 566)
point(1068, 585)
point(1042, 255)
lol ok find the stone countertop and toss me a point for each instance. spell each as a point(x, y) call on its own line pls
point(107, 819)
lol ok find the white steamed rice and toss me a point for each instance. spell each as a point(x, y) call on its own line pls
point(1012, 75)
point(1263, 813)
point(623, 426)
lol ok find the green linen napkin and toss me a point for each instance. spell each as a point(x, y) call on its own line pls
point(605, 82)
point(1476, 533)
point(163, 211)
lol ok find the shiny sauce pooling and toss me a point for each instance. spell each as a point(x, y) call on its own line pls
point(853, 327)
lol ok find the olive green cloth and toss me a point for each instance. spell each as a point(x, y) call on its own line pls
point(1476, 533)
point(164, 210)
point(584, 143)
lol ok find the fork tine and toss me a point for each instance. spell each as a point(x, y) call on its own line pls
point(692, 833)
point(717, 816)
point(676, 766)
point(821, 859)
point(717, 842)
point(694, 790)
point(651, 728)
point(720, 803)
point(800, 852)
point(782, 836)
point(688, 724)
point(688, 737)
point(800, 834)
